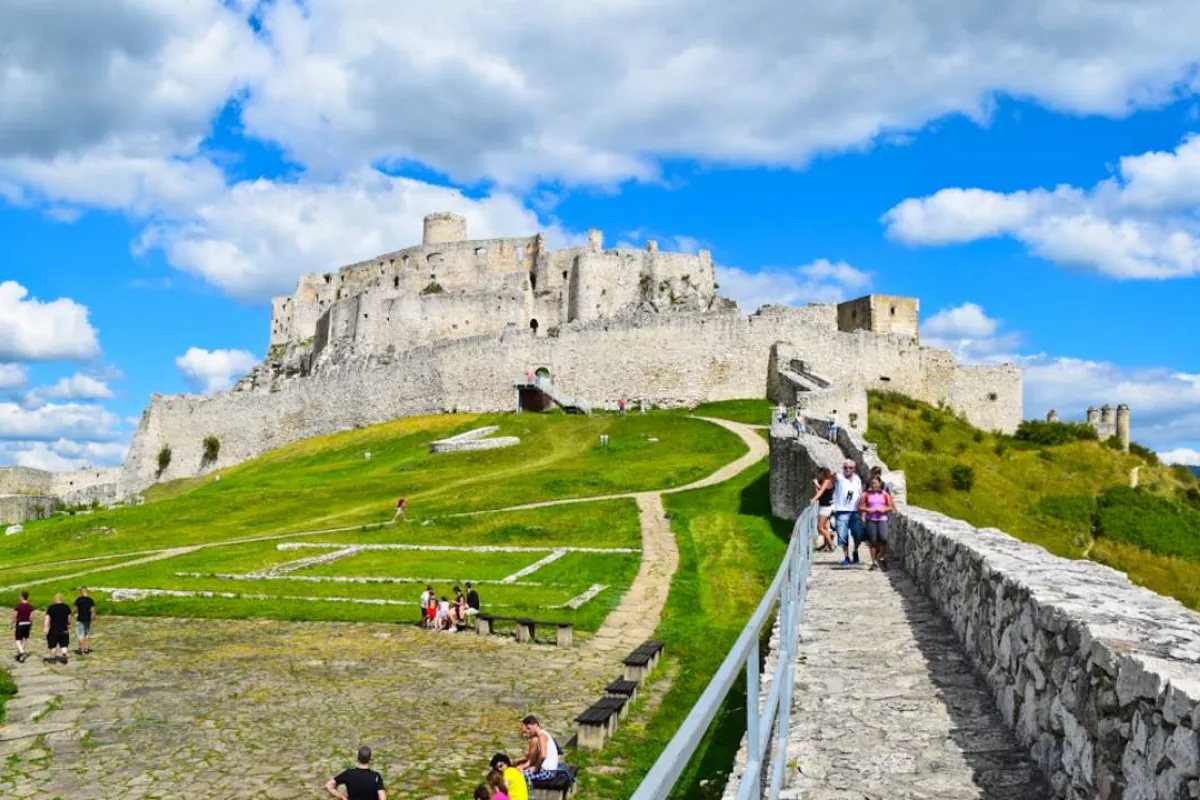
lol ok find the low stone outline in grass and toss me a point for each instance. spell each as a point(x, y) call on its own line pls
point(304, 563)
point(460, 549)
point(534, 567)
point(593, 590)
point(250, 576)
point(121, 595)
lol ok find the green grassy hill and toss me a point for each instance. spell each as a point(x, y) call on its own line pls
point(1073, 498)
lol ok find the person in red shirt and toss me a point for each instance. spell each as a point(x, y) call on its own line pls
point(23, 623)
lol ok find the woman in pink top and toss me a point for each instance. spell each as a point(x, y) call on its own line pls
point(875, 506)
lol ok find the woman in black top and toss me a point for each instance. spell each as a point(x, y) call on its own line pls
point(823, 499)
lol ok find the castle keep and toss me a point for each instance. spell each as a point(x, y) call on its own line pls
point(455, 324)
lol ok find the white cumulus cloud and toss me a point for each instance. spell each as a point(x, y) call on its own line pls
point(820, 281)
point(75, 387)
point(1181, 455)
point(970, 333)
point(33, 330)
point(53, 421)
point(12, 376)
point(1141, 223)
point(209, 371)
point(63, 455)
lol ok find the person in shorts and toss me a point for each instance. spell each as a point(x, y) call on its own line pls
point(875, 506)
point(823, 499)
point(426, 618)
point(23, 625)
point(57, 628)
point(361, 782)
point(85, 614)
point(472, 603)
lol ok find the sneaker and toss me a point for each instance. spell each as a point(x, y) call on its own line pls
point(873, 567)
point(87, 652)
point(855, 556)
point(883, 565)
point(62, 659)
point(845, 562)
point(78, 651)
point(50, 660)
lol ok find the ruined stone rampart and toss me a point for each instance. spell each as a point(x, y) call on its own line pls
point(668, 360)
point(1099, 678)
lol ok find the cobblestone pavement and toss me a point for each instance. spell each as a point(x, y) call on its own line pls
point(244, 709)
point(886, 705)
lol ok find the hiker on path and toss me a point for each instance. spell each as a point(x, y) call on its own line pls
point(823, 499)
point(85, 614)
point(514, 780)
point(875, 506)
point(57, 629)
point(23, 626)
point(833, 426)
point(361, 782)
point(541, 761)
point(400, 504)
point(847, 521)
point(621, 406)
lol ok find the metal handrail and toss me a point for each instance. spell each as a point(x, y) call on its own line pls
point(787, 591)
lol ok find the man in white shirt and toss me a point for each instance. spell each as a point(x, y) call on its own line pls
point(847, 489)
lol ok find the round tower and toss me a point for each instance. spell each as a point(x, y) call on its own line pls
point(1106, 414)
point(1123, 426)
point(1052, 416)
point(444, 227)
point(1092, 417)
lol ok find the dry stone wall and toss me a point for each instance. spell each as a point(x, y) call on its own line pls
point(1098, 677)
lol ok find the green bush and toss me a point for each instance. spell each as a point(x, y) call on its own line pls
point(1001, 448)
point(1155, 523)
point(961, 447)
point(1078, 509)
point(937, 424)
point(927, 445)
point(1049, 434)
point(212, 449)
point(963, 477)
point(1144, 453)
point(926, 415)
point(164, 458)
point(1183, 474)
point(977, 437)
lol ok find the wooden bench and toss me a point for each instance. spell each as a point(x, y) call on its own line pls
point(526, 628)
point(623, 688)
point(642, 661)
point(592, 727)
point(560, 787)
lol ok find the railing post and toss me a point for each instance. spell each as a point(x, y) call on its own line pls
point(754, 747)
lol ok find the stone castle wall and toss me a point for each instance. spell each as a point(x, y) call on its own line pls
point(671, 360)
point(23, 480)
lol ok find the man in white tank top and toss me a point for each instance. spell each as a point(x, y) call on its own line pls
point(541, 761)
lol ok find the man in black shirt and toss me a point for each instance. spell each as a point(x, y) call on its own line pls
point(362, 782)
point(85, 613)
point(472, 603)
point(56, 628)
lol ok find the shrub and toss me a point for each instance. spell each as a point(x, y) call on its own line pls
point(926, 415)
point(961, 447)
point(1079, 509)
point(432, 288)
point(164, 458)
point(977, 437)
point(937, 424)
point(1049, 434)
point(1144, 453)
point(963, 477)
point(1113, 443)
point(1191, 496)
point(1045, 455)
point(1183, 474)
point(1001, 448)
point(212, 449)
point(927, 445)
point(1146, 520)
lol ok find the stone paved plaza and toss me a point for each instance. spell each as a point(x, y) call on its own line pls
point(244, 709)
point(887, 706)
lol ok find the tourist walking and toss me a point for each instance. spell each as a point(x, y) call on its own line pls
point(361, 782)
point(514, 779)
point(57, 629)
point(833, 426)
point(877, 472)
point(85, 614)
point(823, 499)
point(875, 505)
point(23, 626)
point(847, 521)
point(621, 406)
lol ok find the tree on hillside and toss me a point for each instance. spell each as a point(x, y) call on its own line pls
point(164, 458)
point(212, 449)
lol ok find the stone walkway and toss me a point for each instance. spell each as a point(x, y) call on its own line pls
point(886, 705)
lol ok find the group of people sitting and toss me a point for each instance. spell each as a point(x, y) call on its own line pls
point(506, 780)
point(440, 614)
point(511, 780)
point(855, 515)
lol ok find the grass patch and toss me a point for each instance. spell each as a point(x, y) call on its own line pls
point(729, 549)
point(326, 481)
point(1052, 485)
point(7, 689)
point(749, 411)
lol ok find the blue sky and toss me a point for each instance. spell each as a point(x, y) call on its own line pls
point(1028, 172)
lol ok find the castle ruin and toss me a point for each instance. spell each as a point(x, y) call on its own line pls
point(454, 324)
point(1105, 423)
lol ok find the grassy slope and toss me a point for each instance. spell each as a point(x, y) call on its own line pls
point(7, 689)
point(1042, 495)
point(729, 548)
point(325, 482)
point(750, 412)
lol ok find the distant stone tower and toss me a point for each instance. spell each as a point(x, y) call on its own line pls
point(1092, 416)
point(1123, 426)
point(1052, 416)
point(1106, 414)
point(444, 227)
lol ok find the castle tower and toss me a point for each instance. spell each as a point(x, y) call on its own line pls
point(595, 240)
point(880, 313)
point(1106, 414)
point(1092, 417)
point(443, 227)
point(1052, 416)
point(1123, 426)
